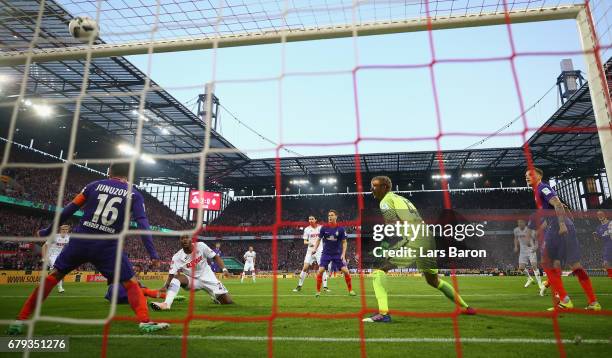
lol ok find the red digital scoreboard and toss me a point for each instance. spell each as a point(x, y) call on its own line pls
point(207, 200)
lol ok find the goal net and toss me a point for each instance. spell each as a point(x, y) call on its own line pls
point(396, 48)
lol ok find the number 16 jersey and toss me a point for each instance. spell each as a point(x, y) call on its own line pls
point(104, 203)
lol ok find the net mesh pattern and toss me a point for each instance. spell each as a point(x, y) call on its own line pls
point(122, 22)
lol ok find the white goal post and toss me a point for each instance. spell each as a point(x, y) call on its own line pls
point(12, 58)
point(598, 88)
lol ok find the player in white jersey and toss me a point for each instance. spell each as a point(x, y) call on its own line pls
point(54, 248)
point(249, 264)
point(192, 259)
point(526, 244)
point(311, 234)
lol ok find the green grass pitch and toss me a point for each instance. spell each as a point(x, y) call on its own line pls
point(483, 335)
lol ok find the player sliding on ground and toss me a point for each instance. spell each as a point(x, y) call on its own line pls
point(311, 235)
point(104, 204)
point(525, 243)
point(54, 248)
point(560, 242)
point(192, 259)
point(396, 208)
point(333, 236)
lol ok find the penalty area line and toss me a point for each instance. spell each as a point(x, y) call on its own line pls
point(339, 339)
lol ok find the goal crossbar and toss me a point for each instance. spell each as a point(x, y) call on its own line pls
point(14, 58)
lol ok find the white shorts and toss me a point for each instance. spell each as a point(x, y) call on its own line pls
point(310, 258)
point(249, 267)
point(528, 257)
point(208, 282)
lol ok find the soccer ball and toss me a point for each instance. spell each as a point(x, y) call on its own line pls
point(83, 28)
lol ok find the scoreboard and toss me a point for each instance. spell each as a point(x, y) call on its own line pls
point(206, 200)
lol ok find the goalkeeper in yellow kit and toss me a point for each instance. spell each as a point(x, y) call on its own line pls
point(396, 208)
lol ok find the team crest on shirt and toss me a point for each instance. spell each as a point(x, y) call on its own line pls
point(384, 206)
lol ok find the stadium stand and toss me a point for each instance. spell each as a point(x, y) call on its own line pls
point(248, 212)
point(40, 186)
point(258, 211)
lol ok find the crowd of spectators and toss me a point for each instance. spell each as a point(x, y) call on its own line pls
point(21, 260)
point(246, 215)
point(42, 186)
point(290, 253)
point(499, 247)
point(20, 254)
point(239, 218)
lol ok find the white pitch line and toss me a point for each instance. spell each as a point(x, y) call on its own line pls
point(337, 339)
point(308, 295)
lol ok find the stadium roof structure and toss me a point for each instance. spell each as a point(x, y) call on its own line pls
point(107, 118)
point(568, 139)
point(110, 108)
point(566, 144)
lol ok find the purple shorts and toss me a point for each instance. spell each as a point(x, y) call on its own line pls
point(336, 261)
point(101, 254)
point(564, 248)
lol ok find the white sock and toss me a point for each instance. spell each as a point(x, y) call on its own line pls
point(527, 273)
point(324, 279)
point(303, 275)
point(60, 285)
point(173, 290)
point(242, 277)
point(536, 273)
point(253, 274)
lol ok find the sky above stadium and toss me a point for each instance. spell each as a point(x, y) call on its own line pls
point(305, 92)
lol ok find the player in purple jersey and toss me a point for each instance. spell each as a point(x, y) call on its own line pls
point(213, 263)
point(604, 232)
point(334, 251)
point(560, 242)
point(103, 203)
